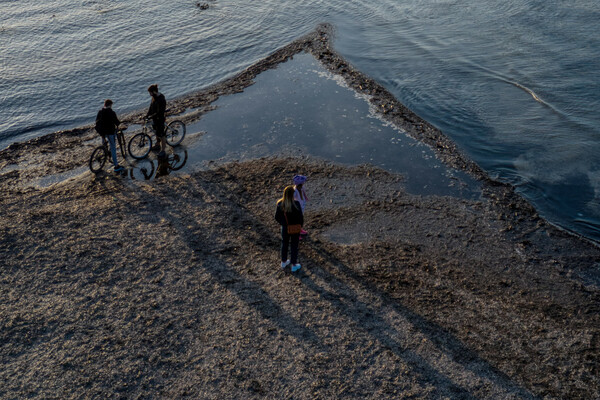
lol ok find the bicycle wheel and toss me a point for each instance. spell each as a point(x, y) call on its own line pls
point(98, 159)
point(142, 170)
point(139, 146)
point(175, 132)
point(177, 161)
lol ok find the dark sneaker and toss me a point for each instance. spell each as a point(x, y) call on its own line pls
point(162, 154)
point(156, 147)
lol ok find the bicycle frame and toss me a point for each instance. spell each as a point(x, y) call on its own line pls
point(148, 126)
point(174, 131)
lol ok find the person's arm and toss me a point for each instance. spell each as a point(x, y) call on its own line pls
point(115, 119)
point(150, 112)
point(279, 217)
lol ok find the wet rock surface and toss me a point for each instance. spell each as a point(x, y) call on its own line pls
point(172, 288)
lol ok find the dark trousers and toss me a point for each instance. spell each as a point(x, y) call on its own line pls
point(159, 128)
point(113, 148)
point(285, 242)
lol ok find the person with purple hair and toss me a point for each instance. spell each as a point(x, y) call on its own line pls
point(300, 195)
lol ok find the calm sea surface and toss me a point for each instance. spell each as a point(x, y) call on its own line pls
point(515, 83)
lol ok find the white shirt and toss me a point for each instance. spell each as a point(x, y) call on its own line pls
point(300, 197)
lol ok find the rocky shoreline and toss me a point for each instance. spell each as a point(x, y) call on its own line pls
point(171, 289)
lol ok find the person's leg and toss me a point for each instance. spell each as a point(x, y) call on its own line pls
point(113, 149)
point(160, 135)
point(157, 143)
point(285, 239)
point(294, 253)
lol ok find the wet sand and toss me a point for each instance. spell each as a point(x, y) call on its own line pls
point(117, 288)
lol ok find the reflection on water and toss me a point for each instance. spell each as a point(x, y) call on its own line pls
point(301, 109)
point(148, 168)
point(142, 170)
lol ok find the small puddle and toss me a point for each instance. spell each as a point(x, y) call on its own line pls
point(150, 167)
point(136, 170)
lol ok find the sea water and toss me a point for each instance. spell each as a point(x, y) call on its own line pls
point(514, 83)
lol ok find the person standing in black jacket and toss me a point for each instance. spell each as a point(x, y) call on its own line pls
point(156, 111)
point(289, 212)
point(106, 125)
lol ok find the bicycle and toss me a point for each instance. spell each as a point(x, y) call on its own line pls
point(174, 131)
point(102, 153)
point(138, 148)
point(177, 160)
point(140, 145)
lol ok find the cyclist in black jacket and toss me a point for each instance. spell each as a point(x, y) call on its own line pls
point(156, 111)
point(106, 125)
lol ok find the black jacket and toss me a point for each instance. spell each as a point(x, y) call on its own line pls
point(157, 108)
point(294, 217)
point(106, 121)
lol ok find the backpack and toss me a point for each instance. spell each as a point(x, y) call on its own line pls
point(98, 128)
point(101, 124)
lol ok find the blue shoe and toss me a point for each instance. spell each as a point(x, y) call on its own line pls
point(285, 263)
point(119, 168)
point(295, 267)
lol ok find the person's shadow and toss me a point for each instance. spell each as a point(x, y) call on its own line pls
point(352, 296)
